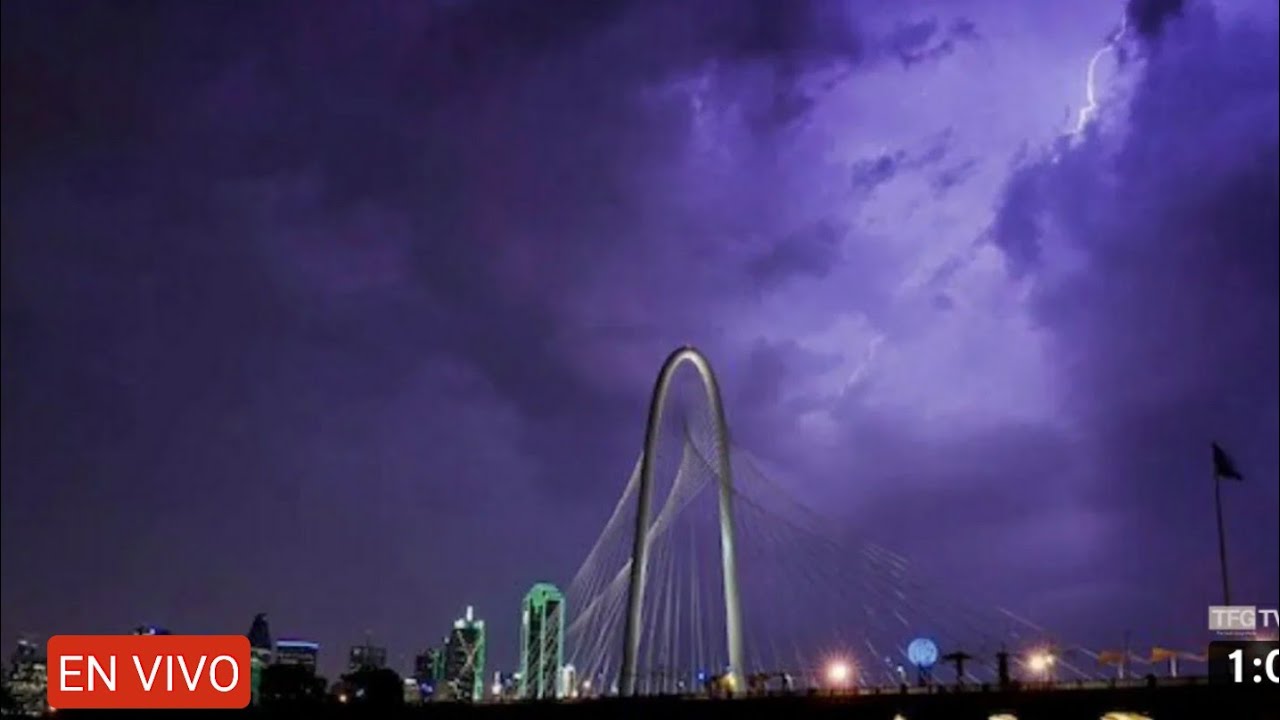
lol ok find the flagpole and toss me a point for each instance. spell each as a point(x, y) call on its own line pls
point(1222, 539)
point(1124, 662)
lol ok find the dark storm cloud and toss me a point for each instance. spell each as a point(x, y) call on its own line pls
point(954, 175)
point(870, 173)
point(340, 109)
point(965, 29)
point(926, 40)
point(873, 172)
point(909, 38)
point(1017, 230)
point(936, 148)
point(266, 264)
point(1155, 268)
point(1149, 17)
point(86, 78)
point(811, 251)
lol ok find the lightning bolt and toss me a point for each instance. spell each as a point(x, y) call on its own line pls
point(1090, 79)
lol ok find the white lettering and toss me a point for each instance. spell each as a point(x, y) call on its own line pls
point(63, 672)
point(1241, 617)
point(213, 673)
point(168, 659)
point(191, 681)
point(108, 679)
point(147, 681)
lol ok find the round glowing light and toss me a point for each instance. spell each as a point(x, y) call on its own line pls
point(1041, 662)
point(922, 652)
point(839, 672)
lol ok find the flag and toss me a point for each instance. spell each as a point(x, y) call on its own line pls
point(1222, 465)
point(1111, 657)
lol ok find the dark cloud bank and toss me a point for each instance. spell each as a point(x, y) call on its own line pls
point(1154, 264)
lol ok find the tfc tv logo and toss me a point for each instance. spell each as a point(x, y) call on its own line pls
point(148, 671)
point(1241, 618)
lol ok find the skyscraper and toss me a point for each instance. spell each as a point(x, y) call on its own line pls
point(260, 633)
point(541, 642)
point(297, 652)
point(366, 657)
point(464, 659)
point(428, 669)
point(28, 679)
point(260, 648)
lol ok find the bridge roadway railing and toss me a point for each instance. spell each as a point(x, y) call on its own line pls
point(945, 689)
point(1021, 686)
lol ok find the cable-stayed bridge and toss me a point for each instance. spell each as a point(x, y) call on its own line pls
point(709, 578)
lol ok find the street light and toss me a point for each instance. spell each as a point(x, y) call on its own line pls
point(1041, 662)
point(838, 673)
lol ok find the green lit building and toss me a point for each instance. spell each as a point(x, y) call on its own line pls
point(260, 652)
point(464, 659)
point(541, 642)
point(428, 670)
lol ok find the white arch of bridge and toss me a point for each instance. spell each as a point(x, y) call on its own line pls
point(640, 546)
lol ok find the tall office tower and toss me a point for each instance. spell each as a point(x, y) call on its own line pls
point(297, 652)
point(28, 679)
point(366, 657)
point(428, 669)
point(464, 659)
point(260, 633)
point(260, 647)
point(541, 642)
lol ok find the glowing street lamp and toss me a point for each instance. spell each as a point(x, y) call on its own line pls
point(1041, 663)
point(839, 673)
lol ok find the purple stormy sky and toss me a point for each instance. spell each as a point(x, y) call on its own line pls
point(324, 310)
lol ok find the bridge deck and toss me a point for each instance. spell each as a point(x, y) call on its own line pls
point(1194, 701)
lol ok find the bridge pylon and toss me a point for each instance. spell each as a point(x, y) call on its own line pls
point(640, 546)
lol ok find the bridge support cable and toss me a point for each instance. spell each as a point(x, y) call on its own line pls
point(591, 565)
point(972, 627)
point(974, 623)
point(890, 566)
point(596, 623)
point(819, 574)
point(884, 609)
point(886, 580)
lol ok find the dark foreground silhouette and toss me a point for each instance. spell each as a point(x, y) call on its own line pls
point(1198, 701)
